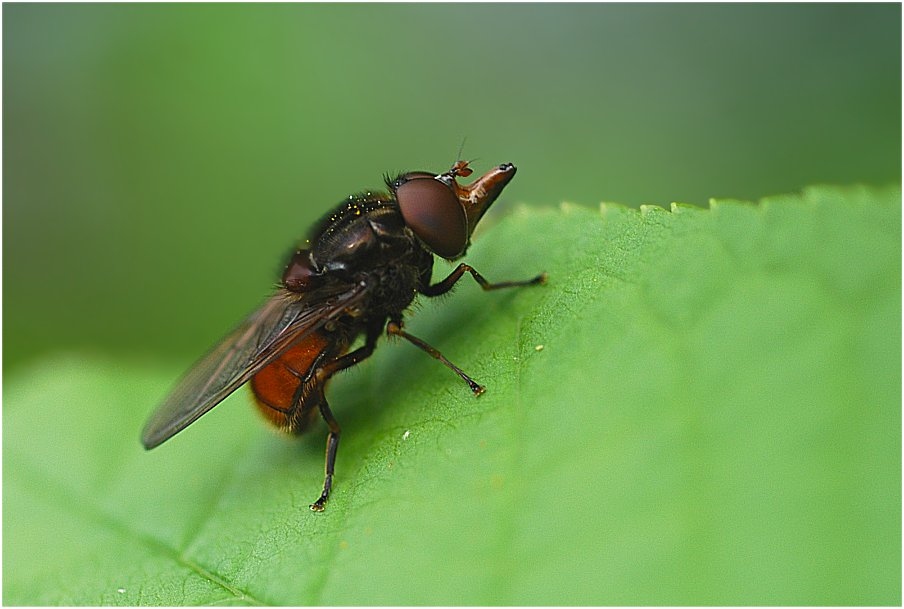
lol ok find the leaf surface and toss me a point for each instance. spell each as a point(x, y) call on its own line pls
point(701, 407)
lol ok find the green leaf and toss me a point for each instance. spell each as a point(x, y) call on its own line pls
point(702, 406)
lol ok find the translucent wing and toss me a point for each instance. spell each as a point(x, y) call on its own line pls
point(281, 321)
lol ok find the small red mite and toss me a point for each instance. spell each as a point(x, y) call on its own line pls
point(364, 263)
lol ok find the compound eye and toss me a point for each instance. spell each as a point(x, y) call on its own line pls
point(407, 177)
point(434, 213)
point(300, 274)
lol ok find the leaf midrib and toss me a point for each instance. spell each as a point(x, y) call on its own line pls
point(48, 490)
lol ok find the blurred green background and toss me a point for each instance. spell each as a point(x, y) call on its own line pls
point(159, 160)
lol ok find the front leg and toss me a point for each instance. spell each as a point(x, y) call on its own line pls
point(446, 284)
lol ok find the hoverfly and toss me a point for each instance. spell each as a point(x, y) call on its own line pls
point(361, 267)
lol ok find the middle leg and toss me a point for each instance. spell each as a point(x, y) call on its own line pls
point(394, 328)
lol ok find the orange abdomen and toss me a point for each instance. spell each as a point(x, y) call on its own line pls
point(286, 391)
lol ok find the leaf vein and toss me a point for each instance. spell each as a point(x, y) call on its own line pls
point(50, 490)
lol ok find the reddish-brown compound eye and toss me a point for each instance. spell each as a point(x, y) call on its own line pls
point(435, 214)
point(300, 274)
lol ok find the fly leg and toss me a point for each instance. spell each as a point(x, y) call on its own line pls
point(332, 445)
point(394, 328)
point(321, 376)
point(446, 284)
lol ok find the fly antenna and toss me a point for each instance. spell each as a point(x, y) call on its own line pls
point(461, 148)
